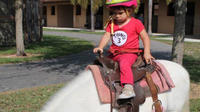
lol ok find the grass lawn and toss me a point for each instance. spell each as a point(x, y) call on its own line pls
point(26, 100)
point(195, 105)
point(50, 47)
point(191, 59)
point(76, 31)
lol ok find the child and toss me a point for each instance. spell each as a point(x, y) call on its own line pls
point(124, 31)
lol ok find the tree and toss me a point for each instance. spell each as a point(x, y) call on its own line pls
point(95, 4)
point(179, 31)
point(92, 16)
point(150, 17)
point(19, 29)
point(179, 28)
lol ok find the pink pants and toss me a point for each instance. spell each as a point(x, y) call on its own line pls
point(125, 62)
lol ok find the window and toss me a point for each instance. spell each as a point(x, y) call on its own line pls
point(53, 12)
point(78, 10)
point(170, 9)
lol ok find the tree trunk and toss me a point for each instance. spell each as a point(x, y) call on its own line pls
point(150, 17)
point(40, 20)
point(92, 16)
point(179, 31)
point(19, 29)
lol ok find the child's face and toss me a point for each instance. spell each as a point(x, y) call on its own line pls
point(119, 15)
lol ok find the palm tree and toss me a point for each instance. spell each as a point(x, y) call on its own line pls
point(179, 30)
point(95, 4)
point(19, 29)
point(150, 17)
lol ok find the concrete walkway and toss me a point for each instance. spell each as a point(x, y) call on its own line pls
point(188, 38)
point(185, 40)
point(60, 70)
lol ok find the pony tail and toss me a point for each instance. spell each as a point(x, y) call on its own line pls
point(110, 20)
point(107, 22)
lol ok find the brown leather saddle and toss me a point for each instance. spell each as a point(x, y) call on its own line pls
point(111, 75)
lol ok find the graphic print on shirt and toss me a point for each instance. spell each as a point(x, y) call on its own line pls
point(119, 38)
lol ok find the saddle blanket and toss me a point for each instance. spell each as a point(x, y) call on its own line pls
point(164, 83)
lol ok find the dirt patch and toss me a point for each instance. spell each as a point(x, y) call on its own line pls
point(194, 91)
point(15, 56)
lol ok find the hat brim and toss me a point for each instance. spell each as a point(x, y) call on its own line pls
point(127, 4)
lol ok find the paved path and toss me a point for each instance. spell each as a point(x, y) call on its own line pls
point(185, 40)
point(61, 70)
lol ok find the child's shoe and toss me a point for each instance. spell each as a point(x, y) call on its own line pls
point(127, 92)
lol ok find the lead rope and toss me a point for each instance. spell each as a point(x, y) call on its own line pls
point(109, 84)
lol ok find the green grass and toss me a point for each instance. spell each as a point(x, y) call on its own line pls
point(27, 100)
point(76, 31)
point(195, 105)
point(191, 59)
point(31, 100)
point(51, 47)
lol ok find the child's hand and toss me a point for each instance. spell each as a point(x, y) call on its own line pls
point(95, 50)
point(148, 58)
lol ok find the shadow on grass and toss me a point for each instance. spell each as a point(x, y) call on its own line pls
point(75, 31)
point(54, 46)
point(50, 47)
point(193, 67)
point(74, 63)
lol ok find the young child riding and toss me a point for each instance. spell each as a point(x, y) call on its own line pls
point(124, 31)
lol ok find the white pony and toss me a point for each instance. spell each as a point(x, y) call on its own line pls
point(80, 94)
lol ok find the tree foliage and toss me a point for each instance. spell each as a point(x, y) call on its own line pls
point(96, 4)
point(85, 3)
point(168, 1)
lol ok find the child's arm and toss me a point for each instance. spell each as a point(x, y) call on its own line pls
point(103, 42)
point(146, 42)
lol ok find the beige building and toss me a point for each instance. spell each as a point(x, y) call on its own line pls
point(163, 16)
point(61, 13)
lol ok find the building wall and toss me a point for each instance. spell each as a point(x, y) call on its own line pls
point(165, 23)
point(52, 20)
point(79, 20)
point(65, 16)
